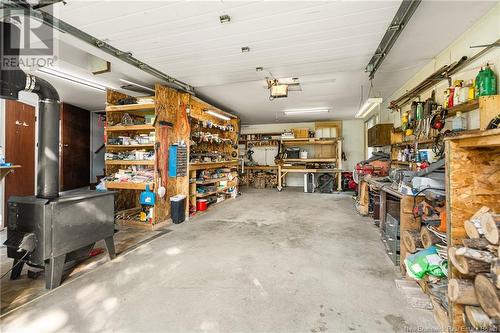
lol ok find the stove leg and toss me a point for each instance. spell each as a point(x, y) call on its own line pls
point(110, 245)
point(53, 271)
point(17, 268)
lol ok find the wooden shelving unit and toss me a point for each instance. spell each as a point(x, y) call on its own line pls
point(328, 151)
point(472, 160)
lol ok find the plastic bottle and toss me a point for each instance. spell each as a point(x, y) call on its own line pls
point(459, 122)
point(488, 83)
point(472, 90)
point(478, 83)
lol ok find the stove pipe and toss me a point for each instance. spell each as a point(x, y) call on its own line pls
point(12, 81)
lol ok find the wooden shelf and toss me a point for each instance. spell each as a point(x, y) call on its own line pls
point(311, 141)
point(464, 107)
point(5, 170)
point(211, 181)
point(400, 162)
point(303, 170)
point(211, 165)
point(204, 195)
point(130, 128)
point(129, 186)
point(124, 162)
point(311, 160)
point(130, 146)
point(130, 107)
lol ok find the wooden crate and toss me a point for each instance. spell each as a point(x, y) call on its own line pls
point(300, 133)
point(472, 178)
point(489, 108)
point(379, 135)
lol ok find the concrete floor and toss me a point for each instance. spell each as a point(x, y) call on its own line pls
point(265, 262)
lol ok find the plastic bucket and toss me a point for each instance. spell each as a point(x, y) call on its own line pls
point(201, 204)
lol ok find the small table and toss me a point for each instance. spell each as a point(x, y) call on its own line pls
point(5, 170)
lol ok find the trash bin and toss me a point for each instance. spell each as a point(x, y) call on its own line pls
point(178, 208)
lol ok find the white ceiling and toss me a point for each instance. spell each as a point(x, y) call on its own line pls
point(325, 44)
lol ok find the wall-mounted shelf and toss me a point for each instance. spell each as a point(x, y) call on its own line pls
point(128, 186)
point(130, 107)
point(143, 146)
point(124, 162)
point(464, 107)
point(310, 160)
point(130, 128)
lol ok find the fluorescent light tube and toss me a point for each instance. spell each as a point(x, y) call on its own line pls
point(218, 115)
point(72, 78)
point(297, 112)
point(368, 106)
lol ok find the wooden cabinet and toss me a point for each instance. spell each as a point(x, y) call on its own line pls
point(379, 135)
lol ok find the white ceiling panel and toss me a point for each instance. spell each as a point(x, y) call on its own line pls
point(325, 44)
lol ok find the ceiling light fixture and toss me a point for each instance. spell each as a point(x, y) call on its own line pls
point(218, 115)
point(72, 78)
point(225, 18)
point(138, 85)
point(368, 106)
point(302, 111)
point(245, 49)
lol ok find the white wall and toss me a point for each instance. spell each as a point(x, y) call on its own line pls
point(485, 31)
point(353, 146)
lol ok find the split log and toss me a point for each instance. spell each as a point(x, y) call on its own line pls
point(487, 295)
point(476, 243)
point(483, 256)
point(495, 271)
point(466, 265)
point(478, 318)
point(490, 223)
point(412, 240)
point(462, 292)
point(428, 238)
point(473, 229)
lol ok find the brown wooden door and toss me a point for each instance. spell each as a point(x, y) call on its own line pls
point(75, 141)
point(20, 148)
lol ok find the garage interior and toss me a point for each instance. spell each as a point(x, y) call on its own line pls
point(249, 166)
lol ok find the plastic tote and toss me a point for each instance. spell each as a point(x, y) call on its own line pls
point(178, 208)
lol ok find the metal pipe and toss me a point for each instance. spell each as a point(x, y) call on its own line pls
point(13, 80)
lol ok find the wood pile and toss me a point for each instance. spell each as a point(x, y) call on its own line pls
point(262, 180)
point(478, 286)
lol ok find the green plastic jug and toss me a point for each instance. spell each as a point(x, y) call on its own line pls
point(488, 82)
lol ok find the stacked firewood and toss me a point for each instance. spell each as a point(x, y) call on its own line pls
point(478, 287)
point(263, 180)
point(415, 240)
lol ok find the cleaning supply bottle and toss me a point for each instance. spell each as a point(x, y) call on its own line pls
point(478, 83)
point(459, 122)
point(472, 90)
point(489, 82)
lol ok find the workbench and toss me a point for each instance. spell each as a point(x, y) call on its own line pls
point(404, 213)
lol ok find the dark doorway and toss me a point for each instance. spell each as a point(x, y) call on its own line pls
point(75, 141)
